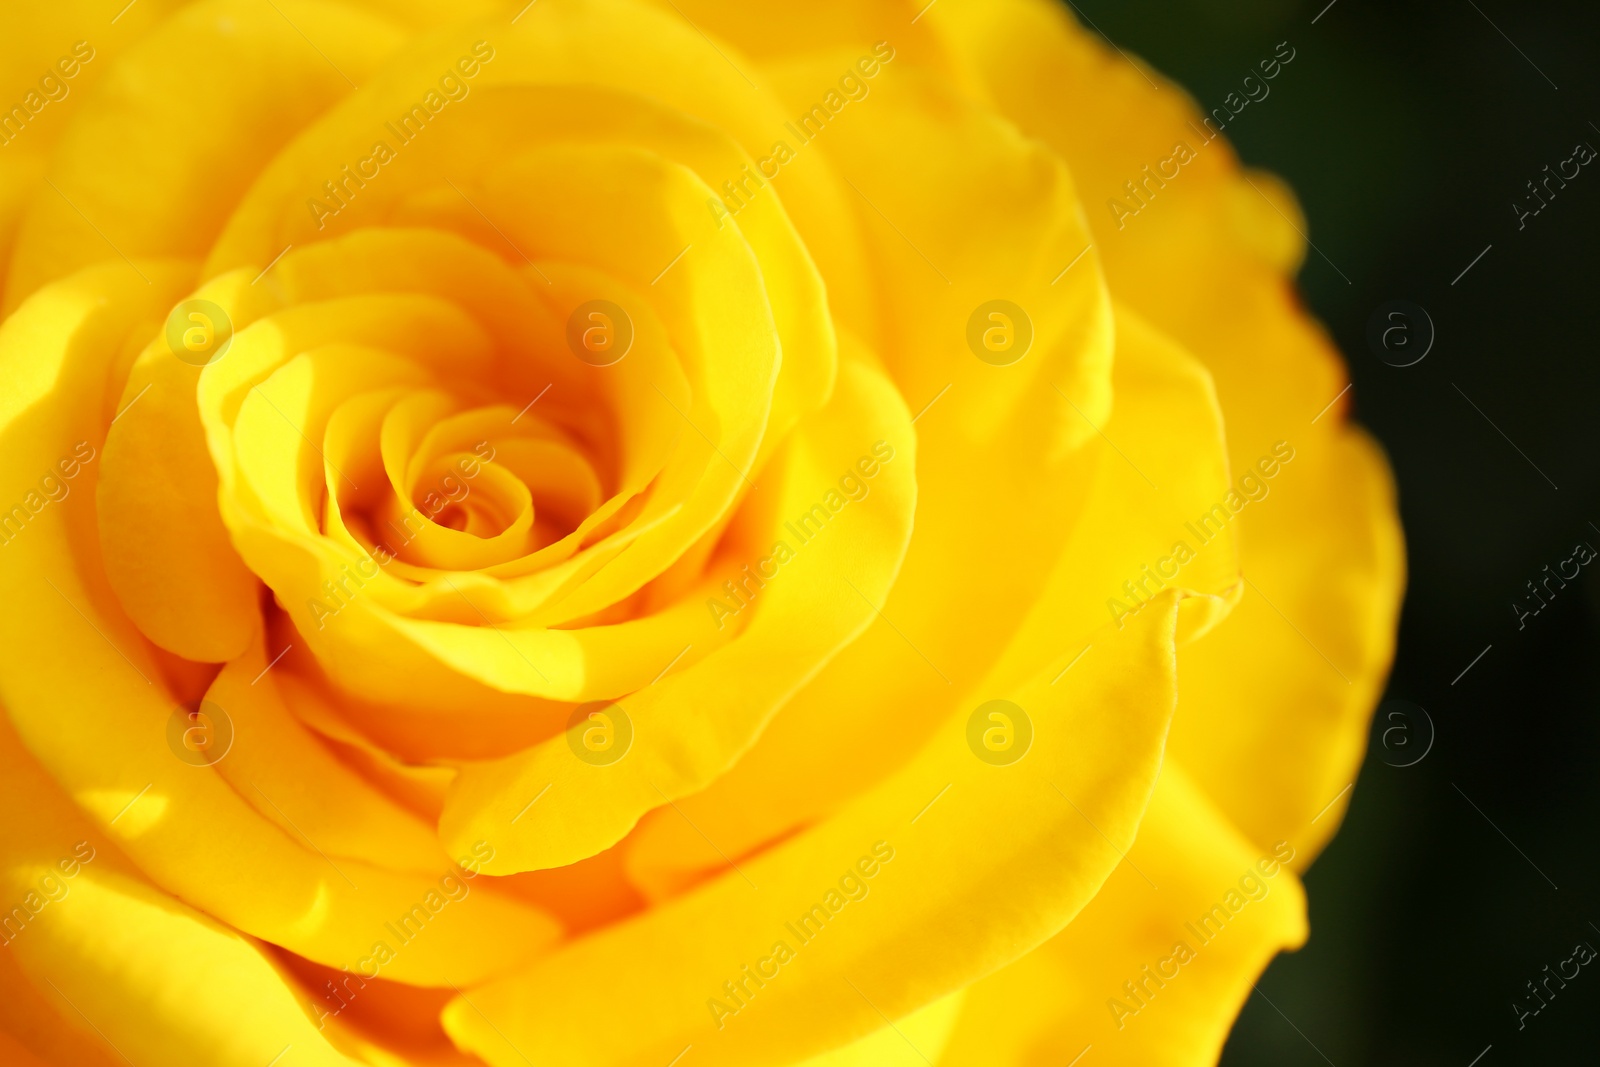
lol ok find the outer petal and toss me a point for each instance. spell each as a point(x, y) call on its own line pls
point(618, 47)
point(1313, 635)
point(789, 30)
point(183, 123)
point(159, 982)
point(43, 40)
point(931, 921)
point(166, 552)
point(918, 1038)
point(1206, 260)
point(31, 1024)
point(1069, 995)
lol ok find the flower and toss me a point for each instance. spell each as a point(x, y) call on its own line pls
point(607, 532)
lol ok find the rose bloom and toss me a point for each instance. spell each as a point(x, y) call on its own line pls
point(613, 533)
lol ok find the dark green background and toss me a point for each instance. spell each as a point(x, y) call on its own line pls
point(1408, 129)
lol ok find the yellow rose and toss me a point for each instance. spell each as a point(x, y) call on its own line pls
point(610, 533)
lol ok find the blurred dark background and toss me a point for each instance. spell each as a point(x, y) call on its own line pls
point(1408, 130)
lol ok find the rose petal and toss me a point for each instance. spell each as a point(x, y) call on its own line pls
point(694, 724)
point(1316, 627)
point(1207, 262)
point(87, 709)
point(280, 768)
point(157, 980)
point(183, 122)
point(919, 1038)
point(166, 552)
point(933, 921)
point(1069, 993)
point(1166, 427)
